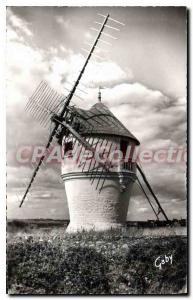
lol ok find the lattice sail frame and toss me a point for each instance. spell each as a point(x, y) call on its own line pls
point(44, 103)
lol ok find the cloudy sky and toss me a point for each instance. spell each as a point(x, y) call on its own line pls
point(144, 75)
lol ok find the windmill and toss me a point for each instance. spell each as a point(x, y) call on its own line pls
point(100, 182)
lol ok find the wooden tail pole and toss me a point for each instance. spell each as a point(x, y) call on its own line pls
point(152, 192)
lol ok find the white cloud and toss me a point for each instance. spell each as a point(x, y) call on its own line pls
point(12, 35)
point(18, 24)
point(106, 73)
point(63, 22)
point(142, 209)
point(24, 65)
point(63, 49)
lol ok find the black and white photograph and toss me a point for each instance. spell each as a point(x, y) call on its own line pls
point(96, 142)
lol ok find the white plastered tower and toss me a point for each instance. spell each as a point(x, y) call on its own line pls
point(98, 199)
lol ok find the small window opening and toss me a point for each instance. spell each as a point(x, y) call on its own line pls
point(123, 147)
point(68, 146)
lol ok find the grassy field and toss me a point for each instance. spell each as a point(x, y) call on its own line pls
point(54, 262)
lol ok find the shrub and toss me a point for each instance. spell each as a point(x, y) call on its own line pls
point(94, 263)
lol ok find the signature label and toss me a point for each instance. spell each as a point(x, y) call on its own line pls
point(162, 260)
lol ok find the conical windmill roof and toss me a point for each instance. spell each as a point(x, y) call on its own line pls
point(104, 122)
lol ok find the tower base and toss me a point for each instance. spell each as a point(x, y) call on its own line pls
point(95, 209)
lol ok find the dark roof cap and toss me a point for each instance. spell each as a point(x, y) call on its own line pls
point(104, 122)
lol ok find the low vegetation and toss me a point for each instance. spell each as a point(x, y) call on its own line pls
point(94, 263)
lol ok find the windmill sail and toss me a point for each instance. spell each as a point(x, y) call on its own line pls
point(63, 111)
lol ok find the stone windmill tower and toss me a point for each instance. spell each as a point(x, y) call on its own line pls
point(99, 199)
point(98, 187)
